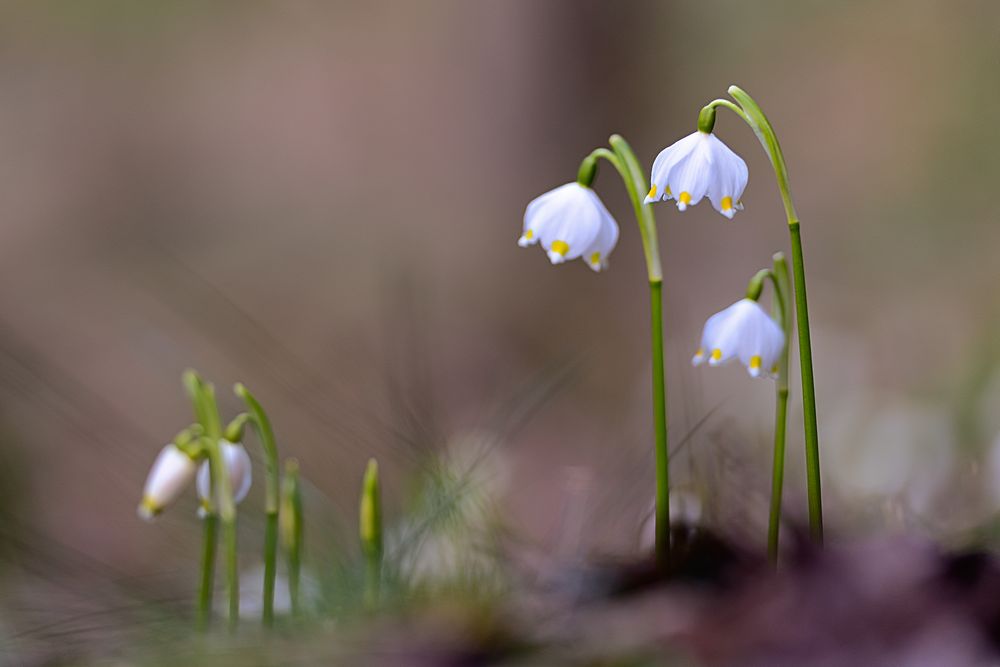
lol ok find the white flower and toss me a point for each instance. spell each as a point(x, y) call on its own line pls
point(171, 472)
point(744, 331)
point(571, 221)
point(240, 471)
point(695, 166)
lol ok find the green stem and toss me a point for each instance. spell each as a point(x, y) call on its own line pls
point(624, 161)
point(210, 524)
point(761, 126)
point(662, 527)
point(782, 288)
point(292, 529)
point(778, 473)
point(270, 566)
point(232, 571)
point(227, 517)
point(265, 434)
point(808, 387)
point(207, 410)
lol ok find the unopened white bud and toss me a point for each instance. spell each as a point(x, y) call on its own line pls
point(171, 472)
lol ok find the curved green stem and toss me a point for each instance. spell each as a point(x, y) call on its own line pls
point(735, 108)
point(754, 116)
point(265, 434)
point(624, 161)
point(636, 184)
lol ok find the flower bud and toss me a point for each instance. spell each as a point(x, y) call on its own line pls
point(171, 472)
point(370, 522)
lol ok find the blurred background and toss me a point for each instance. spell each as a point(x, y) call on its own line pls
point(322, 200)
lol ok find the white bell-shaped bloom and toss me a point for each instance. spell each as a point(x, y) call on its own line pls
point(171, 472)
point(571, 221)
point(240, 471)
point(744, 331)
point(696, 166)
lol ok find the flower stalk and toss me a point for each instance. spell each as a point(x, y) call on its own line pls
point(265, 435)
point(779, 278)
point(623, 159)
point(202, 395)
point(753, 115)
point(292, 529)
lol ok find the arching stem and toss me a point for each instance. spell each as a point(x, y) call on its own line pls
point(265, 434)
point(624, 161)
point(753, 115)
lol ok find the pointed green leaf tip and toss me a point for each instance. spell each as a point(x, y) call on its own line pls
point(192, 383)
point(371, 513)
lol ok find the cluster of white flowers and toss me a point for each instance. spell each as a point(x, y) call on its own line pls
point(571, 221)
point(174, 469)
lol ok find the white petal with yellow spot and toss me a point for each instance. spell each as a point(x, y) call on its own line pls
point(742, 331)
point(696, 166)
point(570, 222)
point(171, 472)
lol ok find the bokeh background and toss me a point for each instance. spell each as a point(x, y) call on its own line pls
point(322, 200)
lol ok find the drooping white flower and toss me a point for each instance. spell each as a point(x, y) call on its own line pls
point(172, 470)
point(240, 471)
point(743, 331)
point(571, 221)
point(696, 166)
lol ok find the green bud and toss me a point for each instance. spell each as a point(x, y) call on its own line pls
point(370, 523)
point(189, 441)
point(756, 285)
point(706, 119)
point(234, 432)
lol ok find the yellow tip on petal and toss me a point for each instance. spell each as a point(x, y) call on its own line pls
point(652, 191)
point(560, 247)
point(149, 509)
point(668, 192)
point(530, 234)
point(716, 354)
point(685, 198)
point(755, 362)
point(595, 259)
point(727, 203)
